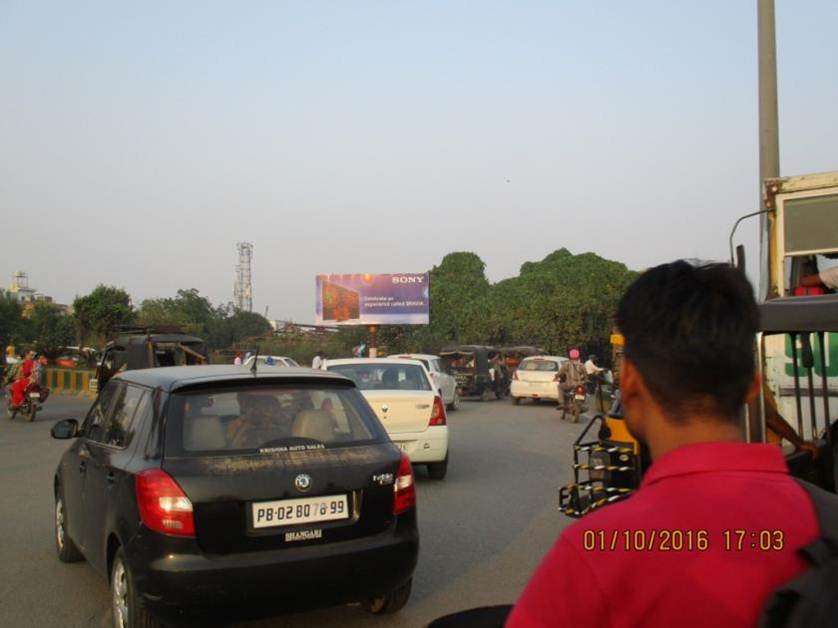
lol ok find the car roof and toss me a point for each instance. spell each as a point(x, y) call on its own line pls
point(373, 361)
point(170, 378)
point(557, 358)
point(416, 356)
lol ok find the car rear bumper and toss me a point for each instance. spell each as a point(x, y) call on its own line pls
point(422, 447)
point(174, 577)
point(534, 390)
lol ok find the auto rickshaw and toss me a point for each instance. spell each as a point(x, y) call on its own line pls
point(473, 368)
point(802, 330)
point(142, 348)
point(512, 356)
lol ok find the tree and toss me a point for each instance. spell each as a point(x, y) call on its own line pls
point(102, 310)
point(49, 329)
point(189, 311)
point(10, 320)
point(248, 325)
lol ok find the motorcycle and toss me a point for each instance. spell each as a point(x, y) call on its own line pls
point(33, 396)
point(574, 403)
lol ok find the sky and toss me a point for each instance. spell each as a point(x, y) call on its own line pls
point(140, 142)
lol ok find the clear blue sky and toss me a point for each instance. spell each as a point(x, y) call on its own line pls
point(139, 142)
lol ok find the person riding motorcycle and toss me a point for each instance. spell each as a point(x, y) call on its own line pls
point(571, 375)
point(24, 378)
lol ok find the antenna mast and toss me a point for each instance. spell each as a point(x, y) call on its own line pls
point(243, 288)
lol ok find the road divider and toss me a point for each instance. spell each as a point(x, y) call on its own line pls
point(70, 381)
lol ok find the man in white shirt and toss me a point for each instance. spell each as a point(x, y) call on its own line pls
point(591, 368)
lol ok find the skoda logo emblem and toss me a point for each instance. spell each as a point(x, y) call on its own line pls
point(302, 482)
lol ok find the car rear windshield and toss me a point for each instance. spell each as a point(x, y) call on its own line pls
point(538, 365)
point(384, 376)
point(281, 418)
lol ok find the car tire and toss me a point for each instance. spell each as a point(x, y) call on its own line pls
point(390, 603)
point(516, 400)
point(455, 405)
point(438, 470)
point(64, 546)
point(126, 604)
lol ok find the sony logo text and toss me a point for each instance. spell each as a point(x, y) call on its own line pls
point(410, 279)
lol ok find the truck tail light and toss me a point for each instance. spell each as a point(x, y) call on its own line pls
point(163, 505)
point(438, 414)
point(404, 490)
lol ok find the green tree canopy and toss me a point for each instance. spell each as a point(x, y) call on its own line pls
point(49, 329)
point(102, 310)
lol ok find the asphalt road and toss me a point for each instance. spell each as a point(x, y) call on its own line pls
point(483, 529)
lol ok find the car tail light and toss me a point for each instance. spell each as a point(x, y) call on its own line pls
point(164, 507)
point(438, 414)
point(404, 490)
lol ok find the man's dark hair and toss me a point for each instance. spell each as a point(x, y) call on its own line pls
point(690, 332)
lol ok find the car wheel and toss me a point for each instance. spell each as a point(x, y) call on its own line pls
point(67, 550)
point(516, 400)
point(437, 470)
point(455, 405)
point(390, 603)
point(128, 609)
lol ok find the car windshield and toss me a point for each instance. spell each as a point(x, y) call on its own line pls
point(384, 376)
point(538, 365)
point(280, 418)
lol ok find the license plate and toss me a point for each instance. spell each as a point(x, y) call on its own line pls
point(579, 397)
point(34, 395)
point(292, 512)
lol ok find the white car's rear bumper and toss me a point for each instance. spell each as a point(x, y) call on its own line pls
point(422, 447)
point(534, 390)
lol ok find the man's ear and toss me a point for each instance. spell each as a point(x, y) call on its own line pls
point(630, 380)
point(753, 389)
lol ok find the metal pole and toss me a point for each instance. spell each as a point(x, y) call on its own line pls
point(769, 141)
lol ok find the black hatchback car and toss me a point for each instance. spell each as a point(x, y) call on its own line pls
point(201, 489)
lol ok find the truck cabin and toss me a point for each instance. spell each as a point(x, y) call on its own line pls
point(802, 234)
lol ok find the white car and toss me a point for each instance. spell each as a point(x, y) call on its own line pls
point(404, 398)
point(442, 381)
point(537, 377)
point(277, 360)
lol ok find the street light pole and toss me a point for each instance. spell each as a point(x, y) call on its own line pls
point(769, 140)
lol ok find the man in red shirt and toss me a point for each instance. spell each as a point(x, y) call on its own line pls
point(714, 527)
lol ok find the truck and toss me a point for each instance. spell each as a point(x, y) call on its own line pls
point(796, 353)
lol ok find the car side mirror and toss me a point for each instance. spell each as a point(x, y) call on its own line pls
point(68, 428)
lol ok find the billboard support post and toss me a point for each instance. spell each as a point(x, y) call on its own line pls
point(373, 351)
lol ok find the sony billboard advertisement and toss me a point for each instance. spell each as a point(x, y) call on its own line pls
point(397, 299)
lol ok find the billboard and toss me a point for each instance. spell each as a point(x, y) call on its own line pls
point(398, 299)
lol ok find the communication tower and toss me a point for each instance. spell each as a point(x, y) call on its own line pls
point(243, 288)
